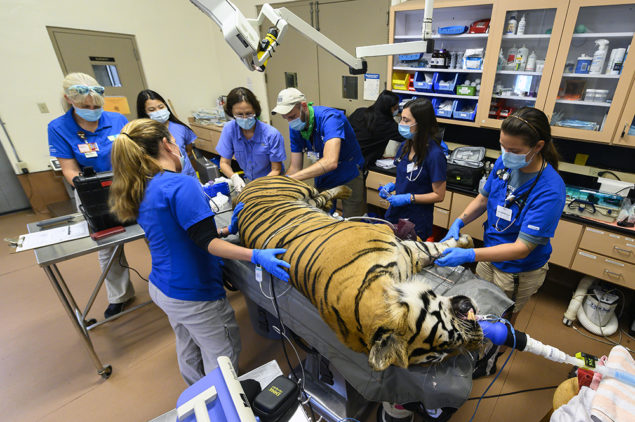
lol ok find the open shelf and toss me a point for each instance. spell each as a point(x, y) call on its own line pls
point(605, 35)
point(527, 37)
point(515, 97)
point(431, 70)
point(517, 72)
point(587, 75)
point(437, 36)
point(584, 103)
point(434, 94)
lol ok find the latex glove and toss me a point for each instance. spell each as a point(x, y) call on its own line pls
point(267, 259)
point(233, 225)
point(454, 231)
point(238, 182)
point(453, 257)
point(400, 200)
point(384, 191)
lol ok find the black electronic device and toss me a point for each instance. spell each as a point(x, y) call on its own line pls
point(207, 170)
point(93, 189)
point(278, 401)
point(466, 167)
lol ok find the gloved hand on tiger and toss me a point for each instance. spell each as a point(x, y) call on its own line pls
point(233, 225)
point(238, 182)
point(384, 191)
point(266, 258)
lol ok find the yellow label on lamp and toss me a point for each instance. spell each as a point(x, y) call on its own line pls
point(580, 159)
point(117, 104)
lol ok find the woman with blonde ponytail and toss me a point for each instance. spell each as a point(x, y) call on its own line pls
point(185, 245)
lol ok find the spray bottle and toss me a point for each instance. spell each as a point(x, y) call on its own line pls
point(521, 26)
point(599, 56)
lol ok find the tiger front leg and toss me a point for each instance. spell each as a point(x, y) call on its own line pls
point(425, 253)
point(324, 200)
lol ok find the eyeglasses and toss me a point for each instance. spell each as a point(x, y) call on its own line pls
point(83, 89)
point(244, 116)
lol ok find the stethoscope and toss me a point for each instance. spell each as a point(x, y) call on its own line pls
point(511, 199)
point(409, 173)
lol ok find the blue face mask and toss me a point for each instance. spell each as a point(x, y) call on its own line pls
point(88, 114)
point(297, 124)
point(514, 161)
point(396, 112)
point(160, 116)
point(246, 122)
point(404, 130)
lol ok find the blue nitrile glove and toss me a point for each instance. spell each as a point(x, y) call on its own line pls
point(495, 331)
point(454, 230)
point(400, 200)
point(453, 257)
point(384, 191)
point(233, 225)
point(266, 258)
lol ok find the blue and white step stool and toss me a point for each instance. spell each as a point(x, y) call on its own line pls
point(216, 397)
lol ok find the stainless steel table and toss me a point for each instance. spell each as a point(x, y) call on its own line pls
point(48, 257)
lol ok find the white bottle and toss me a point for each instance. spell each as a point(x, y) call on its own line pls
point(521, 26)
point(531, 62)
point(512, 24)
point(511, 58)
point(616, 61)
point(521, 58)
point(502, 62)
point(599, 56)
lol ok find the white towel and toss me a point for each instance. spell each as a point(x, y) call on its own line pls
point(614, 401)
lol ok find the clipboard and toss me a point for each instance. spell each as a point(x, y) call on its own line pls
point(52, 236)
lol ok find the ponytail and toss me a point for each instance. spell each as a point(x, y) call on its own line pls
point(533, 125)
point(134, 158)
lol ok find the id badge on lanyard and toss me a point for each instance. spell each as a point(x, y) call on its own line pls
point(89, 149)
point(503, 213)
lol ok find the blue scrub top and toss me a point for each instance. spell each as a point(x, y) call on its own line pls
point(254, 155)
point(433, 169)
point(539, 217)
point(64, 140)
point(183, 136)
point(172, 203)
point(331, 123)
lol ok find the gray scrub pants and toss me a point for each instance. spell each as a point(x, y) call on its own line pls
point(356, 204)
point(204, 331)
point(118, 285)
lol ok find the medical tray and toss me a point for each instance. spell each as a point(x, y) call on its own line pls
point(590, 203)
point(452, 30)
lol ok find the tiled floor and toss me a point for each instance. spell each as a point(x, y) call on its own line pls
point(46, 375)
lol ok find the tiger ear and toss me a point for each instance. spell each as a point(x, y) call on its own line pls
point(389, 349)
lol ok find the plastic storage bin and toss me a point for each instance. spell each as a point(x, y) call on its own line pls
point(442, 113)
point(420, 83)
point(460, 105)
point(400, 80)
point(448, 87)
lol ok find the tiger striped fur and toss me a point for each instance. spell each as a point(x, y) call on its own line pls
point(361, 278)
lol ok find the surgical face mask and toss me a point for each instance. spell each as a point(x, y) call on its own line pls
point(297, 124)
point(514, 161)
point(181, 157)
point(396, 112)
point(88, 114)
point(246, 122)
point(160, 116)
point(404, 130)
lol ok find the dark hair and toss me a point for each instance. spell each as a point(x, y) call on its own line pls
point(148, 94)
point(532, 125)
point(427, 128)
point(238, 95)
point(383, 105)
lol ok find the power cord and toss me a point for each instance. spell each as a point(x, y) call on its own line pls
point(551, 387)
point(131, 268)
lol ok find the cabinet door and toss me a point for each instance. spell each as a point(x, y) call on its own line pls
point(459, 203)
point(526, 55)
point(625, 133)
point(586, 98)
point(442, 85)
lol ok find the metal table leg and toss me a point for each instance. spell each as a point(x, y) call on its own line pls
point(67, 299)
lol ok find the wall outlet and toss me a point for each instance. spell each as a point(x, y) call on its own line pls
point(43, 108)
point(22, 167)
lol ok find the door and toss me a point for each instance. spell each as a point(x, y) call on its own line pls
point(12, 197)
point(112, 59)
point(625, 133)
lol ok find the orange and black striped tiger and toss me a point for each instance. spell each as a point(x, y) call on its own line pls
point(362, 278)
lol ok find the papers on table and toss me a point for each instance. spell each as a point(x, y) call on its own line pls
point(52, 236)
point(385, 163)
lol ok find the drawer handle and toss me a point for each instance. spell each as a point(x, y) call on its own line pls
point(613, 273)
point(622, 250)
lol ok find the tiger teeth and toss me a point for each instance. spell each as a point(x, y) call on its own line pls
point(470, 315)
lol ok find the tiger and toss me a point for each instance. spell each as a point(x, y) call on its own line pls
point(361, 278)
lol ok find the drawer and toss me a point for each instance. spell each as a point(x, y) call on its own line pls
point(374, 180)
point(372, 197)
point(609, 269)
point(206, 145)
point(209, 133)
point(565, 243)
point(441, 217)
point(459, 203)
point(609, 244)
point(447, 201)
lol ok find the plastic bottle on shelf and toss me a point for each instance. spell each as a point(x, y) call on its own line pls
point(512, 24)
point(521, 58)
point(502, 62)
point(616, 61)
point(599, 57)
point(531, 62)
point(521, 26)
point(511, 58)
point(477, 83)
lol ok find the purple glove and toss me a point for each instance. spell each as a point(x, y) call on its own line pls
point(454, 230)
point(233, 225)
point(453, 257)
point(267, 258)
point(384, 191)
point(400, 200)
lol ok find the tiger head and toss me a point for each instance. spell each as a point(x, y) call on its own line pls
point(423, 327)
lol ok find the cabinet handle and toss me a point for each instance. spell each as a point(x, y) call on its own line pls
point(624, 130)
point(612, 273)
point(622, 250)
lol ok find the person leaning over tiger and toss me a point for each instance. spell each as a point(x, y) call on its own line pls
point(185, 281)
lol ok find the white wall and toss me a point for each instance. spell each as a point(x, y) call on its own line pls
point(182, 51)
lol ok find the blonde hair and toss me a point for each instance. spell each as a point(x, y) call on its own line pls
point(78, 78)
point(134, 157)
